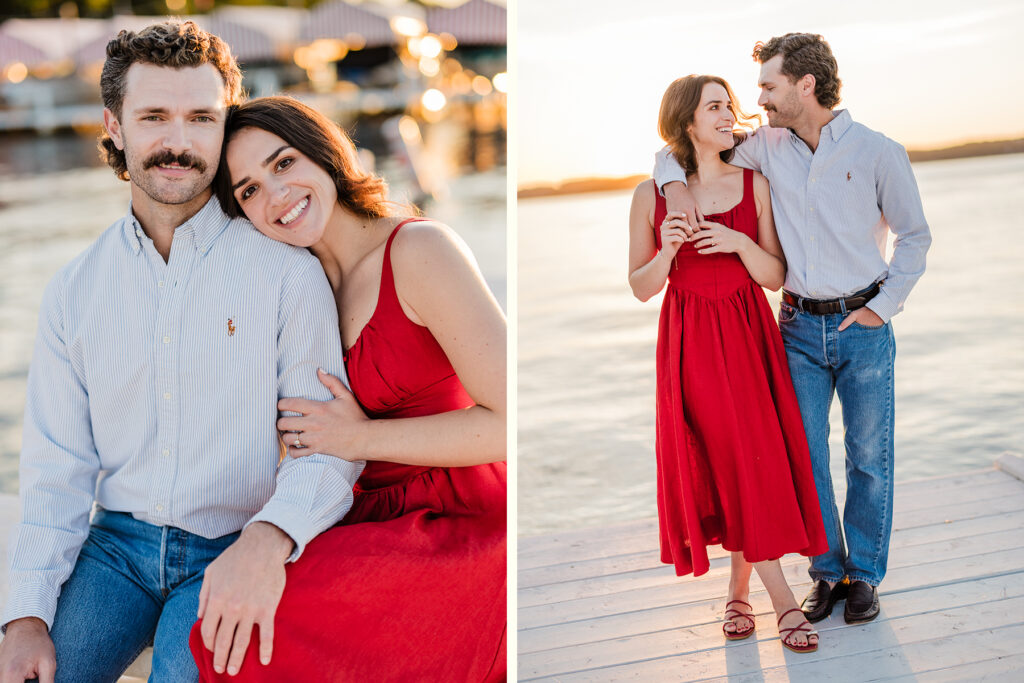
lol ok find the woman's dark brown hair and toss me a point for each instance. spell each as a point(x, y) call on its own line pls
point(678, 107)
point(315, 136)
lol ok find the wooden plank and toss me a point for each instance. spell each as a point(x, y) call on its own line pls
point(969, 566)
point(969, 510)
point(698, 634)
point(924, 499)
point(651, 558)
point(911, 656)
point(1012, 464)
point(916, 641)
point(709, 610)
point(664, 575)
point(587, 544)
point(1001, 669)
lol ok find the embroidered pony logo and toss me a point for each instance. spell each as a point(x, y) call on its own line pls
point(231, 327)
point(848, 178)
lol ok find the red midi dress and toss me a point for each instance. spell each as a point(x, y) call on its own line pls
point(410, 586)
point(733, 464)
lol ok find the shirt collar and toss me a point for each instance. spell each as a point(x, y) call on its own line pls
point(205, 227)
point(839, 124)
point(837, 127)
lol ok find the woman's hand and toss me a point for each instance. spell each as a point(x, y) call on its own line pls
point(715, 238)
point(674, 233)
point(329, 427)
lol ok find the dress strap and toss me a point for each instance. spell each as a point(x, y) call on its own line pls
point(748, 185)
point(387, 276)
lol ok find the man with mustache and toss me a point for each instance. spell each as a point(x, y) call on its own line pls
point(161, 354)
point(837, 189)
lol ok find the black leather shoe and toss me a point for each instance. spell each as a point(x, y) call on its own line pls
point(819, 602)
point(861, 603)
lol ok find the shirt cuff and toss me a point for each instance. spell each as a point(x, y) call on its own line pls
point(31, 600)
point(883, 305)
point(290, 519)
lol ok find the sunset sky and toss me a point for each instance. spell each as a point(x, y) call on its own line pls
point(591, 74)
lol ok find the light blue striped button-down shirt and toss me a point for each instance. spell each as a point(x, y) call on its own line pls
point(834, 208)
point(153, 390)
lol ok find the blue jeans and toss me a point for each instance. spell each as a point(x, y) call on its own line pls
point(857, 365)
point(134, 585)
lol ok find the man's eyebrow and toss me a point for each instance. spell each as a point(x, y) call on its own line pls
point(265, 162)
point(164, 110)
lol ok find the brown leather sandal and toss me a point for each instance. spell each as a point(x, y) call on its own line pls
point(738, 634)
point(809, 647)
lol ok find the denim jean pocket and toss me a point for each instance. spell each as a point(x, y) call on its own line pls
point(787, 313)
point(866, 327)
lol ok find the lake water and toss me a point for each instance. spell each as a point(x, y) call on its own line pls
point(47, 218)
point(586, 348)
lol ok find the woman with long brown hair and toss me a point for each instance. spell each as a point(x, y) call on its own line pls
point(411, 584)
point(733, 464)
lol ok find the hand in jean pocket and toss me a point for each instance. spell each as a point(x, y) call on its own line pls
point(864, 317)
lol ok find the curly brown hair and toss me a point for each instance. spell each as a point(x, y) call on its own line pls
point(172, 43)
point(805, 53)
point(678, 106)
point(316, 137)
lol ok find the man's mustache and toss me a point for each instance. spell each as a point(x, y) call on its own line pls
point(185, 160)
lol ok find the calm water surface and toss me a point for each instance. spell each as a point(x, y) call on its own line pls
point(586, 348)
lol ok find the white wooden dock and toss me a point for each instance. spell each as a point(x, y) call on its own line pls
point(597, 605)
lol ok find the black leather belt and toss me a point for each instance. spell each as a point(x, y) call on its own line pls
point(827, 306)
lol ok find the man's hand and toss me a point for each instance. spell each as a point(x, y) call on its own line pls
point(681, 204)
point(864, 316)
point(27, 652)
point(242, 588)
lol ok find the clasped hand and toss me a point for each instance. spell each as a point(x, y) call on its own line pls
point(327, 427)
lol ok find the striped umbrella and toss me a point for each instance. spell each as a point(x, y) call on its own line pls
point(247, 44)
point(476, 22)
point(17, 50)
point(336, 19)
point(95, 50)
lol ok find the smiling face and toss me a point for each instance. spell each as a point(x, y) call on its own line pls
point(282, 192)
point(713, 119)
point(779, 97)
point(170, 129)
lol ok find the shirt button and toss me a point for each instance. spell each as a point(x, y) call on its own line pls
point(166, 452)
point(160, 284)
point(167, 394)
point(812, 209)
point(167, 340)
point(159, 507)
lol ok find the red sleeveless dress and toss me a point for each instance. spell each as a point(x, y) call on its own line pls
point(411, 585)
point(733, 464)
